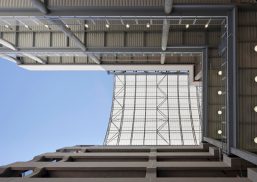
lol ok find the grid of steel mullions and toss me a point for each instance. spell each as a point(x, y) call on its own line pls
point(134, 124)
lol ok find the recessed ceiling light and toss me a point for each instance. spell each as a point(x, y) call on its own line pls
point(107, 25)
point(219, 92)
point(6, 26)
point(187, 26)
point(255, 140)
point(219, 73)
point(219, 112)
point(206, 25)
point(255, 108)
point(148, 25)
point(127, 25)
point(255, 48)
point(255, 79)
point(219, 132)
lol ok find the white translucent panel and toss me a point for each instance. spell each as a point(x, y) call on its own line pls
point(172, 80)
point(155, 110)
point(174, 113)
point(139, 126)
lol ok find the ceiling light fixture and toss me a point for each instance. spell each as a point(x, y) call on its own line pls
point(219, 132)
point(46, 26)
point(255, 48)
point(255, 140)
point(26, 26)
point(219, 112)
point(6, 26)
point(127, 25)
point(219, 92)
point(67, 26)
point(255, 79)
point(219, 73)
point(206, 25)
point(187, 26)
point(86, 25)
point(255, 108)
point(107, 25)
point(148, 25)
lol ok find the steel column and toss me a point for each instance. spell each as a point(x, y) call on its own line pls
point(165, 34)
point(163, 57)
point(205, 92)
point(231, 83)
point(168, 6)
point(179, 114)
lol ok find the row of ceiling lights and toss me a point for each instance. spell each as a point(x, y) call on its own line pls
point(86, 25)
point(107, 25)
point(206, 25)
point(220, 93)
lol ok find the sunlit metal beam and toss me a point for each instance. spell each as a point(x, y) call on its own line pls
point(35, 58)
point(168, 4)
point(165, 34)
point(95, 59)
point(163, 57)
point(40, 6)
point(9, 58)
point(8, 44)
point(199, 75)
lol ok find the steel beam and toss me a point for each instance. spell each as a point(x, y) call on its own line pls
point(40, 6)
point(103, 50)
point(179, 112)
point(199, 75)
point(95, 59)
point(205, 97)
point(62, 27)
point(213, 142)
point(8, 44)
point(89, 11)
point(9, 58)
point(168, 6)
point(163, 56)
point(251, 157)
point(231, 83)
point(165, 34)
point(35, 58)
point(115, 67)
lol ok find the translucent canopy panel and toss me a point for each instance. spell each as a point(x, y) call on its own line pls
point(155, 109)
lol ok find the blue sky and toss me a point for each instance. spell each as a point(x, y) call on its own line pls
point(43, 111)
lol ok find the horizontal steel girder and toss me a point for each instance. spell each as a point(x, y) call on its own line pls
point(177, 10)
point(116, 67)
point(77, 51)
